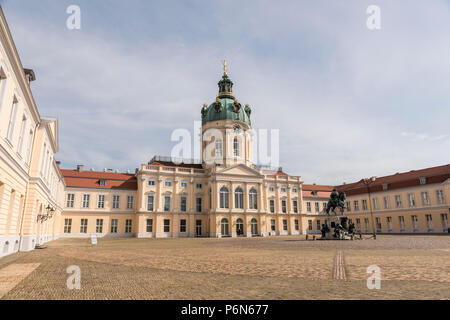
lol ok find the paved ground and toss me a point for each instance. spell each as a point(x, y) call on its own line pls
point(412, 267)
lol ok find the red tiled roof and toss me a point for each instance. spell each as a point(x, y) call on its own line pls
point(171, 164)
point(91, 179)
point(317, 187)
point(319, 194)
point(399, 180)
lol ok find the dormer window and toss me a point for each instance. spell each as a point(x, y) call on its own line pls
point(385, 186)
point(102, 182)
point(423, 180)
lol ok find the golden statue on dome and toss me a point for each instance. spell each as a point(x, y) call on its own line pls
point(224, 67)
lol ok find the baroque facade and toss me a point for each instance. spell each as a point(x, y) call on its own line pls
point(31, 185)
point(224, 195)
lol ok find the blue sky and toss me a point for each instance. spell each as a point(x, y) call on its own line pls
point(349, 102)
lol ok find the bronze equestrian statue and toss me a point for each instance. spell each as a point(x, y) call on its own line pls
point(336, 200)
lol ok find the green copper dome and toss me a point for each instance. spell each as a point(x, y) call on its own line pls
point(226, 106)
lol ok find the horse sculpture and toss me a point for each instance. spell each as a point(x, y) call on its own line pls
point(336, 200)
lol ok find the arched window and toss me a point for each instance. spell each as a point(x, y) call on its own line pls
point(239, 227)
point(254, 225)
point(236, 147)
point(224, 227)
point(218, 150)
point(239, 198)
point(253, 197)
point(224, 197)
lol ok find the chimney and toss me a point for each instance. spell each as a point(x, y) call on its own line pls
point(80, 168)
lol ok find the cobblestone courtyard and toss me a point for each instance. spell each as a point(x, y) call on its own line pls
point(412, 267)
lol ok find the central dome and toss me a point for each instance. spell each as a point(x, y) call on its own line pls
point(226, 106)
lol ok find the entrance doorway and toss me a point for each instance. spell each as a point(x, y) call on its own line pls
point(198, 228)
point(239, 227)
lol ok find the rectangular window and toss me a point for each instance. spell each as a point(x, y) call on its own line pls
point(85, 202)
point(366, 223)
point(149, 225)
point(358, 224)
point(67, 225)
point(166, 203)
point(425, 198)
point(318, 225)
point(99, 226)
point(364, 204)
point(22, 134)
point(349, 208)
point(317, 207)
point(101, 201)
point(12, 120)
point(272, 206)
point(378, 221)
point(356, 205)
point(283, 206)
point(198, 204)
point(150, 203)
point(386, 202)
point(116, 202)
point(114, 224)
point(398, 201)
point(70, 200)
point(401, 222)
point(308, 206)
point(285, 226)
point(294, 204)
point(184, 184)
point(272, 224)
point(375, 203)
point(389, 223)
point(440, 196)
point(130, 202)
point(296, 225)
point(414, 222)
point(83, 225)
point(310, 225)
point(168, 183)
point(151, 182)
point(182, 225)
point(429, 221)
point(183, 204)
point(128, 223)
point(444, 222)
point(166, 225)
point(198, 186)
point(411, 200)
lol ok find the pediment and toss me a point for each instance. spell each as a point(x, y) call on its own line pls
point(240, 170)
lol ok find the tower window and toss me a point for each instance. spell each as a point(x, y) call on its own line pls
point(236, 147)
point(218, 148)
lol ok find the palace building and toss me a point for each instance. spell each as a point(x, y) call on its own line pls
point(223, 195)
point(31, 185)
point(410, 202)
